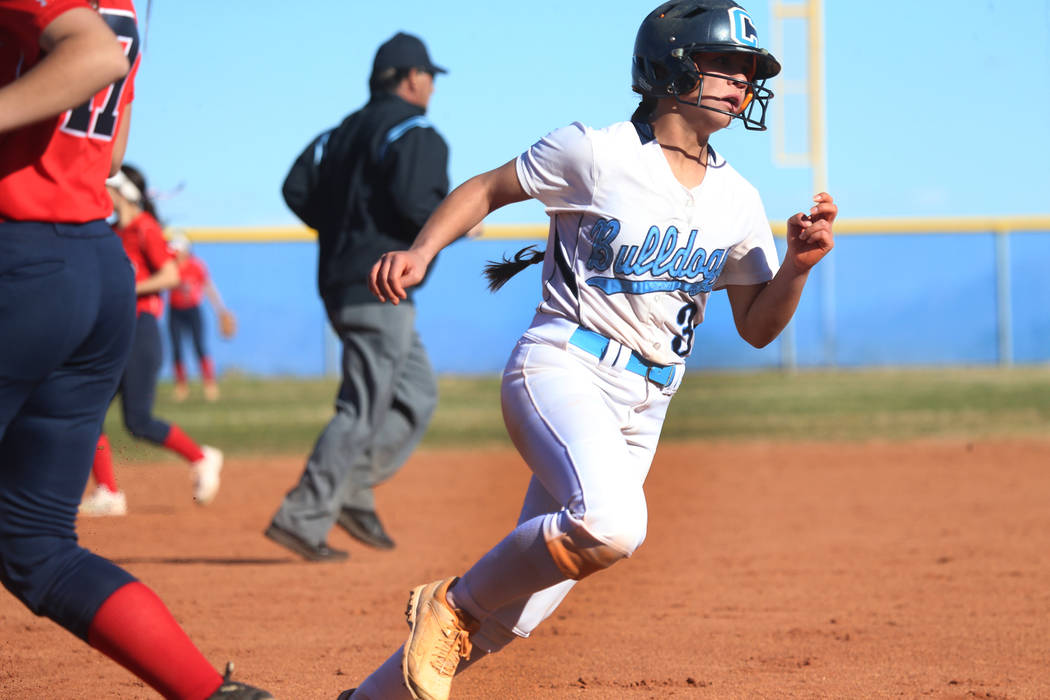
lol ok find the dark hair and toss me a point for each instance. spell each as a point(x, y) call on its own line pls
point(498, 273)
point(645, 110)
point(387, 80)
point(139, 180)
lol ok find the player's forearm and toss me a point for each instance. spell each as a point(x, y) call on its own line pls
point(79, 64)
point(457, 214)
point(165, 278)
point(212, 292)
point(466, 207)
point(773, 307)
point(120, 144)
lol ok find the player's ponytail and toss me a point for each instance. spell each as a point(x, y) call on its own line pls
point(645, 110)
point(497, 273)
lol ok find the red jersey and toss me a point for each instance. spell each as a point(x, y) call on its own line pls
point(146, 248)
point(55, 169)
point(193, 275)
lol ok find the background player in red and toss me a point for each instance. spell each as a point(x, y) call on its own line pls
point(67, 296)
point(186, 317)
point(155, 271)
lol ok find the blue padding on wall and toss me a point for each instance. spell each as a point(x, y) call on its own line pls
point(921, 299)
point(924, 299)
point(1030, 292)
point(466, 328)
point(271, 288)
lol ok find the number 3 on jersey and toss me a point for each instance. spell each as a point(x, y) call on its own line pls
point(683, 344)
point(100, 122)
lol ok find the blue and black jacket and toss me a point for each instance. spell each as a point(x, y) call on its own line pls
point(367, 187)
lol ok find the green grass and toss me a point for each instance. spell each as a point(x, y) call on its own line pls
point(284, 416)
point(863, 405)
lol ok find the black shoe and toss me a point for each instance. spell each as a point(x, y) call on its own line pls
point(310, 552)
point(231, 690)
point(345, 695)
point(365, 526)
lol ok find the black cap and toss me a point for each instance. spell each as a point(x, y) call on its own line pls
point(404, 51)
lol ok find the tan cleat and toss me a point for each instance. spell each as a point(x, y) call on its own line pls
point(437, 641)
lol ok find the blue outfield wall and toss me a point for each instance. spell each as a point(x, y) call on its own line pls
point(878, 300)
point(1030, 292)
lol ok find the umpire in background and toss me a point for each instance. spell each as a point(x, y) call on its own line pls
point(367, 187)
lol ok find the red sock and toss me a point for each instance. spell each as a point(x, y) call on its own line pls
point(207, 369)
point(180, 442)
point(180, 373)
point(102, 467)
point(134, 628)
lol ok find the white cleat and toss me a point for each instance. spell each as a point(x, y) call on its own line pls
point(205, 472)
point(104, 502)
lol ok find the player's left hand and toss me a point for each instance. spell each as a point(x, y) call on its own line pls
point(809, 236)
point(227, 324)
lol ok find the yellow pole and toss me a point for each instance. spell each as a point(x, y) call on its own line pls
point(818, 147)
point(818, 150)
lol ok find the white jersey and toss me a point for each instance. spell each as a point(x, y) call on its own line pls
point(632, 253)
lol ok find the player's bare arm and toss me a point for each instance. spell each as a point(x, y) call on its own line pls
point(120, 143)
point(163, 279)
point(460, 212)
point(83, 56)
point(214, 298)
point(761, 311)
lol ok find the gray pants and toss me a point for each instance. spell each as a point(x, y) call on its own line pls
point(385, 403)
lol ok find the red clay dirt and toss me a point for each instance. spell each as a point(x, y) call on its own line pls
point(770, 571)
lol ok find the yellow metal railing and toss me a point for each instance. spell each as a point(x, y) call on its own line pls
point(843, 227)
point(259, 234)
point(938, 224)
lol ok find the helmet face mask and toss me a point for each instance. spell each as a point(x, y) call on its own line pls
point(673, 33)
point(752, 112)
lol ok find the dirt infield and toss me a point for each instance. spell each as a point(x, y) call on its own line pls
point(770, 570)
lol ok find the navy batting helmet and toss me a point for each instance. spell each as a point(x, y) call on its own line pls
point(678, 30)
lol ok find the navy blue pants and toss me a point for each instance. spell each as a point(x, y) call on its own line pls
point(138, 385)
point(67, 312)
point(186, 321)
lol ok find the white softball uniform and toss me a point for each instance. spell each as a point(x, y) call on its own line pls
point(632, 253)
point(631, 258)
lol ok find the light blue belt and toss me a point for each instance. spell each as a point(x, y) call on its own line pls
point(596, 344)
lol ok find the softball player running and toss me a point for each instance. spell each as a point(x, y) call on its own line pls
point(646, 220)
point(155, 271)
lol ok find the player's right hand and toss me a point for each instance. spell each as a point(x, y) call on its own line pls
point(809, 236)
point(394, 272)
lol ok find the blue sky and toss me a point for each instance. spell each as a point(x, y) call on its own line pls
point(934, 107)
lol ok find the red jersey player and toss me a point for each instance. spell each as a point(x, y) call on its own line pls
point(155, 271)
point(185, 317)
point(67, 300)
